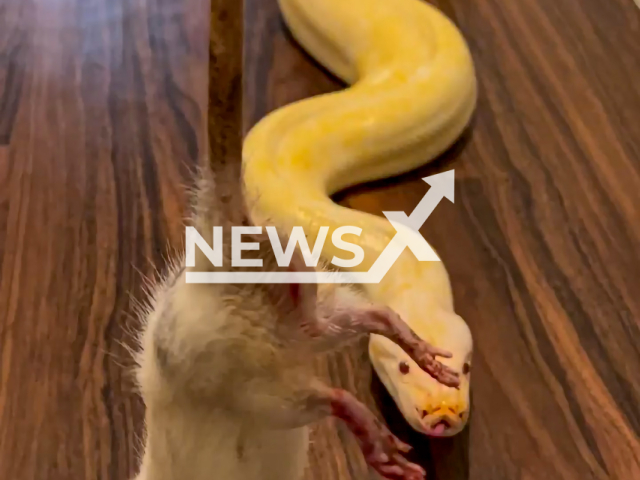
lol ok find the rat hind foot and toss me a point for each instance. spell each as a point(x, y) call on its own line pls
point(382, 450)
point(291, 401)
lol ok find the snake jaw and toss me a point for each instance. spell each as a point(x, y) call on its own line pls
point(444, 418)
point(444, 421)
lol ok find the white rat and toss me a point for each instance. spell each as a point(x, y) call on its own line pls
point(225, 369)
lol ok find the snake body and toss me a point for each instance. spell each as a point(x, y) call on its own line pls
point(412, 91)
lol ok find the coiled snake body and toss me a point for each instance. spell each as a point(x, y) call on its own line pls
point(412, 93)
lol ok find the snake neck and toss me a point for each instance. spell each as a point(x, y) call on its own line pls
point(406, 106)
point(292, 200)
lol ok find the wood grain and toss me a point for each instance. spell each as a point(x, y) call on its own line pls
point(541, 244)
point(225, 101)
point(102, 108)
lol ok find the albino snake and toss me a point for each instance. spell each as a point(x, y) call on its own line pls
point(412, 93)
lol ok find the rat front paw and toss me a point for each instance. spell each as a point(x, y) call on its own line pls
point(425, 355)
point(386, 322)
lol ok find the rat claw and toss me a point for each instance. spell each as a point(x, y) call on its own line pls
point(453, 381)
point(404, 448)
point(450, 382)
point(410, 470)
point(448, 369)
point(391, 470)
point(400, 445)
point(442, 373)
point(417, 469)
point(414, 476)
point(439, 352)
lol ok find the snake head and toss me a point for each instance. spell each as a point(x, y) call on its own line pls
point(426, 404)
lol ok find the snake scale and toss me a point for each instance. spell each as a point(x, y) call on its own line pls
point(411, 93)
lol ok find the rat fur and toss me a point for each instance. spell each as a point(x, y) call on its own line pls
point(225, 370)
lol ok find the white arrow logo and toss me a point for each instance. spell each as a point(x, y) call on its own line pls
point(442, 185)
point(407, 235)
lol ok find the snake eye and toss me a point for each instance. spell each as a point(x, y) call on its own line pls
point(404, 368)
point(466, 368)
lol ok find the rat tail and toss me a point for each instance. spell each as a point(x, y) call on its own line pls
point(217, 201)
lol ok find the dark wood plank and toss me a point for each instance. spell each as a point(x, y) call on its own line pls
point(225, 101)
point(14, 19)
point(102, 105)
point(541, 243)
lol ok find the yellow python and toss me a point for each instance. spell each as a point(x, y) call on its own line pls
point(412, 93)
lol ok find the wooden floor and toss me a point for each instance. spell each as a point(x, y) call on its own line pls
point(102, 108)
point(102, 115)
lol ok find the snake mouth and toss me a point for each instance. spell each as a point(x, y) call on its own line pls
point(443, 427)
point(442, 423)
point(439, 427)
